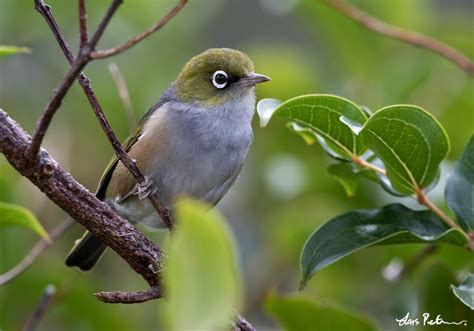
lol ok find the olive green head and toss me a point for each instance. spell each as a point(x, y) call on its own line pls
point(216, 76)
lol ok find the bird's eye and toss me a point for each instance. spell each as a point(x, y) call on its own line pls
point(219, 79)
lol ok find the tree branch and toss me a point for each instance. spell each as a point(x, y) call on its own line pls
point(394, 32)
point(416, 260)
point(84, 82)
point(139, 37)
point(39, 248)
point(63, 87)
point(153, 292)
point(83, 23)
point(40, 309)
point(136, 249)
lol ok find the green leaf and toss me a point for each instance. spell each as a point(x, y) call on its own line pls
point(465, 291)
point(298, 313)
point(351, 232)
point(410, 142)
point(435, 298)
point(327, 116)
point(460, 186)
point(345, 175)
point(307, 134)
point(11, 214)
point(202, 282)
point(10, 50)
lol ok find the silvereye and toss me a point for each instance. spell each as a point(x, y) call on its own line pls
point(192, 142)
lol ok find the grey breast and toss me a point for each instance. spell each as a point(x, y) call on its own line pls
point(205, 155)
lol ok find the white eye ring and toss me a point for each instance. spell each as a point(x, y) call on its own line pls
point(217, 79)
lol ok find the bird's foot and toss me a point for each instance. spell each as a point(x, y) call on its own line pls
point(145, 189)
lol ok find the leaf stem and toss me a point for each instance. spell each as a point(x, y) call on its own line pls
point(423, 200)
point(367, 165)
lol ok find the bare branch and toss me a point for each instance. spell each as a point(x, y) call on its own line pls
point(40, 309)
point(102, 25)
point(140, 253)
point(64, 86)
point(50, 109)
point(83, 23)
point(406, 36)
point(416, 260)
point(130, 297)
point(124, 95)
point(39, 248)
point(139, 37)
point(91, 96)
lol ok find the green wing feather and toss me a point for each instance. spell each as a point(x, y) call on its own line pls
point(109, 170)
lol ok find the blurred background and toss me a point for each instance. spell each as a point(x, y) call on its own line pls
point(284, 191)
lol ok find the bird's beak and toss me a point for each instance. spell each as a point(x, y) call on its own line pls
point(253, 79)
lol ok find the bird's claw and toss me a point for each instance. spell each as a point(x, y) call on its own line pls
point(145, 189)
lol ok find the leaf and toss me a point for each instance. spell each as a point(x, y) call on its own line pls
point(307, 134)
point(201, 277)
point(465, 291)
point(298, 313)
point(345, 175)
point(411, 144)
point(327, 116)
point(11, 214)
point(10, 50)
point(265, 110)
point(351, 232)
point(460, 186)
point(435, 297)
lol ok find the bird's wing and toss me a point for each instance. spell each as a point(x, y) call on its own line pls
point(127, 145)
point(109, 170)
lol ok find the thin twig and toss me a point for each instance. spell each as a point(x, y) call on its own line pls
point(406, 36)
point(367, 165)
point(52, 106)
point(39, 248)
point(60, 91)
point(102, 25)
point(101, 54)
point(40, 309)
point(416, 260)
point(124, 95)
point(423, 200)
point(152, 293)
point(83, 23)
point(91, 96)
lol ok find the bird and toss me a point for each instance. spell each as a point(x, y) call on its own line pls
point(192, 142)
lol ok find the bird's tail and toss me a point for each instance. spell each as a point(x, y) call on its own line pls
point(86, 252)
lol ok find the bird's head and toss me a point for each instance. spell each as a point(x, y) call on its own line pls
point(216, 76)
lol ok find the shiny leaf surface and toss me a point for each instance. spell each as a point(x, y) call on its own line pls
point(392, 224)
point(410, 142)
point(460, 186)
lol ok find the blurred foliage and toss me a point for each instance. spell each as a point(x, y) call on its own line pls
point(306, 48)
point(297, 313)
point(201, 275)
point(16, 215)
